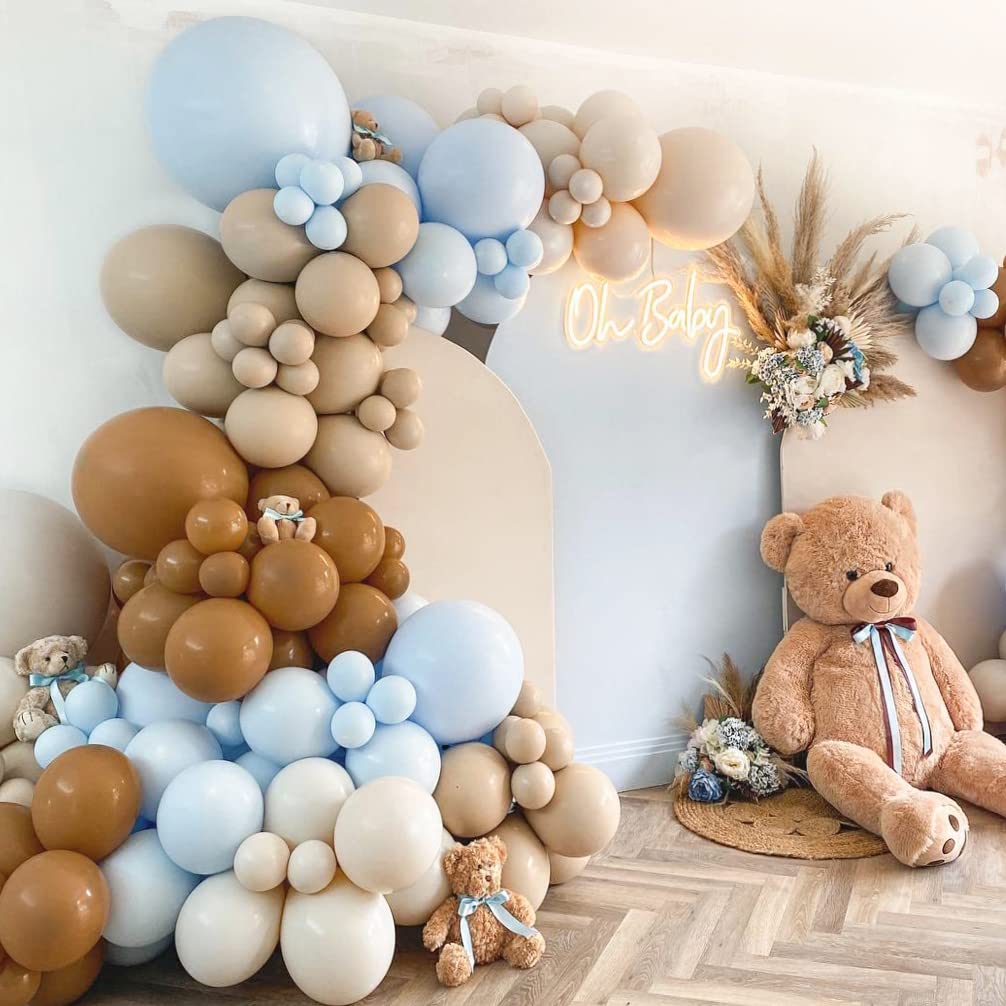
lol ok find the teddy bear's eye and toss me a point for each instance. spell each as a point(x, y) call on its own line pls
point(853, 574)
point(889, 566)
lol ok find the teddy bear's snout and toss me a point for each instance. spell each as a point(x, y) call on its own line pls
point(885, 588)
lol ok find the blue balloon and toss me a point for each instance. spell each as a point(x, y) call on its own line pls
point(466, 664)
point(130, 957)
point(352, 176)
point(206, 812)
point(393, 699)
point(943, 336)
point(524, 249)
point(482, 177)
point(322, 181)
point(513, 283)
point(327, 228)
point(432, 319)
point(90, 703)
point(441, 269)
point(288, 716)
point(386, 173)
point(956, 243)
point(986, 304)
point(261, 770)
point(53, 742)
point(917, 274)
point(402, 749)
point(293, 205)
point(141, 824)
point(979, 272)
point(231, 96)
point(288, 170)
point(353, 725)
point(486, 305)
point(957, 297)
point(490, 256)
point(350, 676)
point(234, 752)
point(115, 733)
point(146, 697)
point(408, 126)
point(224, 722)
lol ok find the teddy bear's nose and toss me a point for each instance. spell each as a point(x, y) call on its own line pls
point(885, 588)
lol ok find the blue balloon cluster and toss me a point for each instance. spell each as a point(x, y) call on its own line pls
point(89, 714)
point(946, 280)
point(308, 194)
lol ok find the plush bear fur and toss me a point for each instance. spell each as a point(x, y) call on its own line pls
point(476, 870)
point(271, 529)
point(51, 656)
point(366, 147)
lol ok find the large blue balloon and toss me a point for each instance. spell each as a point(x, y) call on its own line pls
point(147, 697)
point(486, 305)
point(402, 749)
point(482, 177)
point(466, 664)
point(441, 269)
point(917, 273)
point(231, 96)
point(408, 126)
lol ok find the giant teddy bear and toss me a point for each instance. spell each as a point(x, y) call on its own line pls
point(889, 718)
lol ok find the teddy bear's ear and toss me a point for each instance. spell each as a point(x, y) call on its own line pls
point(78, 644)
point(262, 504)
point(453, 856)
point(22, 660)
point(499, 845)
point(777, 539)
point(897, 501)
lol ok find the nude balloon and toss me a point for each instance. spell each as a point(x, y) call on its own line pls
point(198, 378)
point(617, 251)
point(270, 427)
point(413, 905)
point(582, 817)
point(526, 869)
point(350, 459)
point(259, 243)
point(304, 799)
point(338, 294)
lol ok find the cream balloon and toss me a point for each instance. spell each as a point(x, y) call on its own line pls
point(530, 701)
point(582, 817)
point(350, 459)
point(298, 379)
point(292, 343)
point(225, 933)
point(525, 742)
point(21, 791)
point(558, 113)
point(596, 214)
point(254, 367)
point(338, 944)
point(19, 761)
point(312, 867)
point(387, 834)
point(406, 432)
point(252, 324)
point(550, 139)
point(271, 428)
point(413, 905)
point(304, 799)
point(349, 370)
point(619, 250)
point(625, 152)
point(602, 105)
point(565, 868)
point(401, 386)
point(261, 861)
point(526, 869)
point(556, 240)
point(563, 208)
point(198, 378)
point(519, 105)
point(989, 679)
point(278, 297)
point(224, 342)
point(13, 688)
point(376, 413)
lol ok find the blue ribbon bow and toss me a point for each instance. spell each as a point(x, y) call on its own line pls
point(495, 903)
point(75, 674)
point(276, 515)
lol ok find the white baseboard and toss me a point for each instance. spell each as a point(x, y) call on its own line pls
point(636, 764)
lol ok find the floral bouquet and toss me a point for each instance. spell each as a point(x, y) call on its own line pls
point(728, 756)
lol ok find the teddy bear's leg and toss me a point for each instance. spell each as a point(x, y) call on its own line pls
point(974, 767)
point(453, 967)
point(31, 722)
point(287, 529)
point(306, 529)
point(267, 531)
point(920, 828)
point(524, 951)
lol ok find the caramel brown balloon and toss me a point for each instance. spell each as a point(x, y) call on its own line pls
point(363, 619)
point(351, 532)
point(983, 366)
point(293, 480)
point(145, 621)
point(18, 841)
point(87, 800)
point(290, 649)
point(137, 476)
point(382, 225)
point(18, 985)
point(394, 543)
point(218, 650)
point(224, 574)
point(218, 525)
point(294, 584)
point(391, 577)
point(52, 910)
point(67, 985)
point(178, 567)
point(252, 544)
point(128, 579)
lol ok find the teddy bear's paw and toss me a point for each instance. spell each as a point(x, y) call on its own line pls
point(925, 829)
point(453, 967)
point(524, 951)
point(29, 723)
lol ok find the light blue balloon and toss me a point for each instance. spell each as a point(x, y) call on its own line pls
point(206, 812)
point(231, 96)
point(90, 703)
point(432, 319)
point(142, 824)
point(406, 606)
point(288, 170)
point(352, 176)
point(408, 126)
point(161, 751)
point(918, 273)
point(262, 770)
point(350, 676)
point(224, 722)
point(288, 716)
point(322, 181)
point(979, 272)
point(525, 249)
point(957, 297)
point(986, 304)
point(130, 957)
point(956, 243)
point(147, 697)
point(327, 228)
point(441, 269)
point(234, 752)
point(513, 283)
point(353, 725)
point(147, 892)
point(490, 256)
point(53, 742)
point(115, 733)
point(293, 205)
point(486, 305)
point(482, 177)
point(943, 336)
point(466, 664)
point(386, 173)
point(393, 699)
point(401, 749)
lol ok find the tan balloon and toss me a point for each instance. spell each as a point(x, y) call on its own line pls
point(556, 239)
point(582, 817)
point(530, 701)
point(558, 113)
point(254, 367)
point(401, 386)
point(279, 298)
point(617, 251)
point(558, 739)
point(19, 762)
point(533, 785)
point(525, 741)
point(352, 533)
point(301, 379)
point(347, 457)
point(383, 225)
point(17, 791)
point(349, 370)
point(408, 308)
point(145, 621)
point(601, 105)
point(566, 868)
point(406, 432)
point(165, 282)
point(703, 193)
point(224, 574)
point(178, 567)
point(363, 619)
point(270, 427)
point(550, 139)
point(413, 905)
point(526, 870)
point(198, 378)
point(127, 580)
point(390, 285)
point(251, 324)
point(292, 343)
point(625, 152)
point(473, 793)
point(376, 413)
point(519, 105)
point(224, 342)
point(500, 733)
point(390, 326)
point(337, 294)
point(259, 243)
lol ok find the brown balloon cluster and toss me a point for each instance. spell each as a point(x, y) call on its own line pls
point(54, 901)
point(983, 366)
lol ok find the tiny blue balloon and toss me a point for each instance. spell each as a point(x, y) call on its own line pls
point(90, 703)
point(351, 676)
point(288, 169)
point(485, 305)
point(353, 725)
point(352, 175)
point(917, 274)
point(957, 297)
point(224, 722)
point(986, 304)
point(115, 733)
point(944, 336)
point(327, 228)
point(513, 282)
point(525, 249)
point(393, 699)
point(53, 742)
point(956, 243)
point(979, 272)
point(260, 769)
point(322, 181)
point(293, 205)
point(491, 256)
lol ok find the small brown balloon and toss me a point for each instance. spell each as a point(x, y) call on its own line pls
point(178, 566)
point(382, 224)
point(350, 459)
point(402, 386)
point(390, 285)
point(983, 366)
point(67, 985)
point(363, 619)
point(351, 532)
point(406, 432)
point(526, 870)
point(533, 785)
point(259, 243)
point(224, 574)
point(252, 544)
point(391, 577)
point(473, 793)
point(294, 584)
point(558, 739)
point(128, 579)
point(582, 817)
point(349, 370)
point(18, 985)
point(293, 480)
point(218, 525)
point(151, 576)
point(251, 324)
point(18, 841)
point(530, 701)
point(394, 543)
point(337, 294)
point(389, 326)
point(290, 649)
point(145, 621)
point(525, 741)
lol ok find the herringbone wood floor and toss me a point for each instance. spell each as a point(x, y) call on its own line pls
point(664, 918)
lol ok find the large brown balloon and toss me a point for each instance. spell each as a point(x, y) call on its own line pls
point(526, 870)
point(391, 577)
point(52, 910)
point(224, 574)
point(582, 817)
point(363, 619)
point(178, 567)
point(145, 621)
point(128, 578)
point(218, 525)
point(382, 225)
point(294, 584)
point(218, 650)
point(165, 282)
point(67, 985)
point(337, 294)
point(351, 532)
point(18, 985)
point(136, 477)
point(18, 841)
point(473, 792)
point(87, 800)
point(349, 371)
point(290, 649)
point(350, 459)
point(983, 366)
point(293, 480)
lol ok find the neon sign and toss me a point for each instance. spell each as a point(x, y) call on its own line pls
point(589, 319)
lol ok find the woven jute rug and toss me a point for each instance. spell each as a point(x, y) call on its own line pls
point(796, 823)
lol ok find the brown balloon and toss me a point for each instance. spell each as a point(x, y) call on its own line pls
point(128, 579)
point(178, 567)
point(394, 543)
point(18, 841)
point(293, 480)
point(294, 584)
point(351, 532)
point(218, 525)
point(18, 985)
point(252, 544)
point(136, 477)
point(145, 621)
point(52, 910)
point(67, 985)
point(363, 619)
point(391, 577)
point(337, 294)
point(983, 366)
point(382, 225)
point(224, 574)
point(998, 320)
point(218, 650)
point(87, 800)
point(290, 649)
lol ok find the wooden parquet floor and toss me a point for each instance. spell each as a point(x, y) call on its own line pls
point(665, 918)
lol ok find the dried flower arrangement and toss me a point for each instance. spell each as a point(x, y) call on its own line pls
point(822, 330)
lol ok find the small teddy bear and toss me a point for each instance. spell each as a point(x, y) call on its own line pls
point(54, 666)
point(482, 922)
point(282, 518)
point(369, 143)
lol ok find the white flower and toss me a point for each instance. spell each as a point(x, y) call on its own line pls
point(733, 763)
point(843, 323)
point(812, 432)
point(848, 368)
point(827, 353)
point(800, 340)
point(864, 378)
point(832, 380)
point(709, 735)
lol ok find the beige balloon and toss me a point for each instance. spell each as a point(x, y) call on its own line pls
point(349, 370)
point(251, 323)
point(500, 733)
point(254, 367)
point(21, 791)
point(401, 386)
point(413, 905)
point(558, 739)
point(337, 294)
point(278, 297)
point(387, 834)
point(376, 413)
point(989, 679)
point(558, 113)
point(292, 343)
point(304, 799)
point(703, 193)
point(519, 105)
point(596, 214)
point(390, 326)
point(533, 785)
point(259, 243)
point(19, 761)
point(408, 308)
point(165, 282)
point(550, 139)
point(530, 701)
point(270, 428)
point(261, 861)
point(625, 152)
point(198, 378)
point(619, 250)
point(301, 379)
point(390, 285)
point(563, 209)
point(348, 458)
point(225, 344)
point(473, 792)
point(383, 225)
point(13, 688)
point(406, 432)
point(601, 105)
point(312, 866)
point(565, 868)
point(525, 741)
point(556, 240)
point(582, 817)
point(526, 870)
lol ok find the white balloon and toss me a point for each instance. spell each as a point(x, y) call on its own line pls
point(989, 679)
point(130, 957)
point(556, 239)
point(408, 604)
point(20, 791)
point(312, 867)
point(413, 905)
point(261, 861)
point(304, 799)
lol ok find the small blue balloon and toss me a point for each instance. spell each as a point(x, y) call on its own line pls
point(525, 249)
point(513, 282)
point(115, 733)
point(90, 703)
point(387, 173)
point(147, 697)
point(917, 274)
point(432, 319)
point(224, 722)
point(322, 181)
point(393, 699)
point(402, 749)
point(486, 305)
point(944, 336)
point(293, 205)
point(957, 297)
point(327, 228)
point(261, 769)
point(351, 676)
point(979, 272)
point(353, 725)
point(491, 256)
point(352, 175)
point(408, 126)
point(288, 170)
point(956, 243)
point(441, 269)
point(53, 742)
point(986, 304)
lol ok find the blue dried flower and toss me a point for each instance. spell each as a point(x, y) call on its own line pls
point(810, 360)
point(705, 787)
